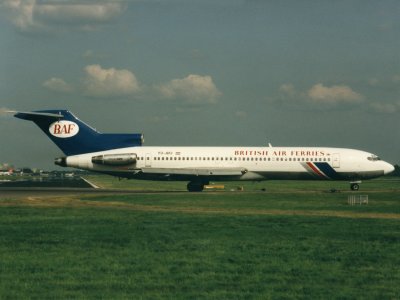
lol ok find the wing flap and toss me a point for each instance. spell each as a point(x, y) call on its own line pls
point(196, 171)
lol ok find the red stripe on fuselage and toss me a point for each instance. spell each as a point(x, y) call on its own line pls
point(316, 171)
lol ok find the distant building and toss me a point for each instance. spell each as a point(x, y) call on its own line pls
point(27, 171)
point(6, 172)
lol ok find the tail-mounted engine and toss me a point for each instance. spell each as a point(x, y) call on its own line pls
point(115, 159)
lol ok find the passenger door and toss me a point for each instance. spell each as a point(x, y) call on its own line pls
point(336, 160)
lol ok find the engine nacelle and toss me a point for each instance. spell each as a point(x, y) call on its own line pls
point(115, 159)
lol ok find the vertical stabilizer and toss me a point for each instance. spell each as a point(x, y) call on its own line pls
point(73, 136)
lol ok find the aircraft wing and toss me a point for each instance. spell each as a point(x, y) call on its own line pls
point(196, 171)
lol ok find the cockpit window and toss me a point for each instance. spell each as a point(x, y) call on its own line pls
point(373, 157)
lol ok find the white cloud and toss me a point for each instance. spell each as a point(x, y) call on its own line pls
point(90, 54)
point(385, 26)
point(373, 82)
point(334, 94)
point(396, 78)
point(386, 108)
point(100, 82)
point(241, 114)
point(317, 97)
point(5, 112)
point(287, 89)
point(111, 82)
point(36, 16)
point(20, 12)
point(320, 97)
point(57, 85)
point(158, 119)
point(193, 89)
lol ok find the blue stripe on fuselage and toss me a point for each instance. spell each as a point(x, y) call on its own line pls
point(328, 170)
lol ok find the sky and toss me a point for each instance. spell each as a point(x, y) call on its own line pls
point(203, 73)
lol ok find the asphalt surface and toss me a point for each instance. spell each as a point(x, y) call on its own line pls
point(10, 192)
point(7, 192)
point(57, 188)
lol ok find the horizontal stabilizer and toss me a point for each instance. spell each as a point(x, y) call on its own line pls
point(30, 115)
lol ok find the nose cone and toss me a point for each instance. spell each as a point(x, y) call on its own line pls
point(388, 168)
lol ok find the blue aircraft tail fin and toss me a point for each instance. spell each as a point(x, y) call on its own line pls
point(73, 136)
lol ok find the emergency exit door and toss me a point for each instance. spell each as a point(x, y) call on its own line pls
point(148, 160)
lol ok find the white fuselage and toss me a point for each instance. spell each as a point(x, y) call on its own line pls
point(233, 163)
point(88, 149)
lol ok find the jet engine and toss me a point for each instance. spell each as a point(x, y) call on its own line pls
point(115, 159)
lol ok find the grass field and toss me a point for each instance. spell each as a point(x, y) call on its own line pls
point(377, 185)
point(295, 240)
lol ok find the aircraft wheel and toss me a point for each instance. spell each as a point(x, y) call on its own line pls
point(195, 187)
point(354, 187)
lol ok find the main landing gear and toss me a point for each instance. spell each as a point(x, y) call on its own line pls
point(354, 186)
point(195, 186)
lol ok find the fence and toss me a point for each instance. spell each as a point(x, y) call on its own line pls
point(357, 199)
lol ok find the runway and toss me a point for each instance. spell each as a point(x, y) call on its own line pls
point(60, 187)
point(20, 192)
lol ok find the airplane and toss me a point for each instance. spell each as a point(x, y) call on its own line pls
point(124, 156)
